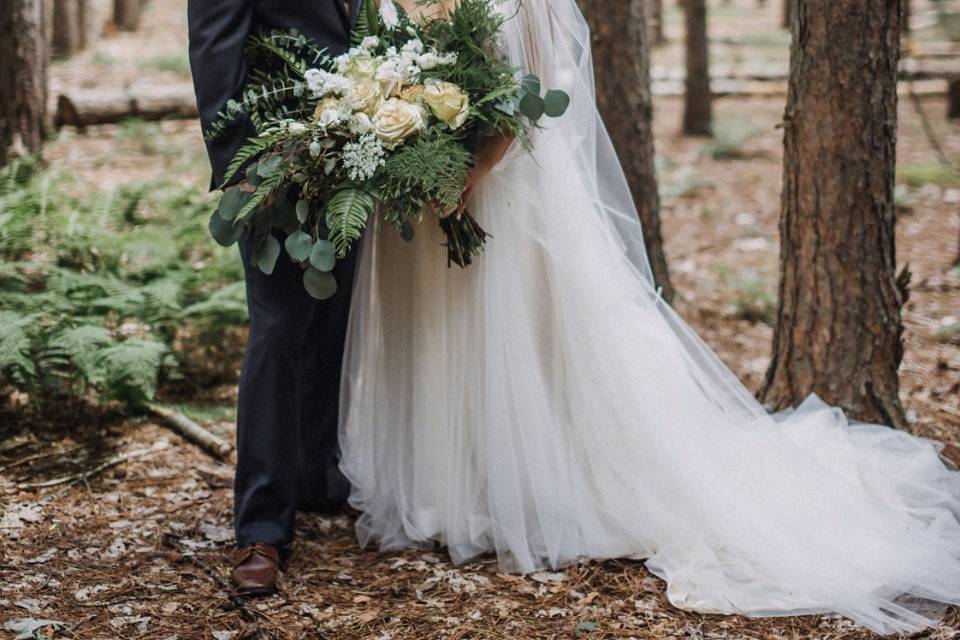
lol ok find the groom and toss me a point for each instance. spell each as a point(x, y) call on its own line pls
point(287, 454)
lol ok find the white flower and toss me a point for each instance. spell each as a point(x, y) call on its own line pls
point(360, 124)
point(428, 61)
point(315, 149)
point(398, 120)
point(370, 43)
point(389, 15)
point(328, 118)
point(322, 83)
point(390, 77)
point(413, 46)
point(296, 128)
point(362, 158)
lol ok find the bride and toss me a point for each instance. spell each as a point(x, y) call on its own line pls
point(547, 406)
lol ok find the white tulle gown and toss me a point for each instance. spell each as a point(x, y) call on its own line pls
point(546, 406)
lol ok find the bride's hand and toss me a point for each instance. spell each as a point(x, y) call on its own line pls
point(488, 157)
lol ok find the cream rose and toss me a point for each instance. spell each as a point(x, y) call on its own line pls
point(396, 121)
point(360, 68)
point(366, 97)
point(390, 78)
point(447, 102)
point(328, 111)
point(412, 94)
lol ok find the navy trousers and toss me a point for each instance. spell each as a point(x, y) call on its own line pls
point(287, 451)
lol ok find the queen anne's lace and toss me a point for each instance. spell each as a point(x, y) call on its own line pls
point(362, 158)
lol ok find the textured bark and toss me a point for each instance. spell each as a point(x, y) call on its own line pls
point(126, 14)
point(787, 16)
point(655, 21)
point(905, 17)
point(839, 329)
point(698, 107)
point(621, 58)
point(23, 78)
point(68, 26)
point(953, 99)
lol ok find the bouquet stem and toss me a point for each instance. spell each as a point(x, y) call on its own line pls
point(465, 239)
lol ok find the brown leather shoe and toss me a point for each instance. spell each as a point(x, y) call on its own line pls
point(255, 570)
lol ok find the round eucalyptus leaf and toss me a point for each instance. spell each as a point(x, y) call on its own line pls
point(253, 177)
point(323, 256)
point(556, 103)
point(232, 202)
point(299, 245)
point(532, 106)
point(268, 167)
point(531, 84)
point(267, 254)
point(319, 284)
point(225, 232)
point(303, 211)
point(407, 232)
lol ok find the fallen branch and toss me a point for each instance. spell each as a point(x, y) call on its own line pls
point(86, 475)
point(191, 431)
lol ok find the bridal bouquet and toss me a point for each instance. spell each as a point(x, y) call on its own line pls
point(391, 126)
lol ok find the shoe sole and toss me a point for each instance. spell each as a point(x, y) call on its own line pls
point(257, 593)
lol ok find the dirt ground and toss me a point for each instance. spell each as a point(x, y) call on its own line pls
point(138, 550)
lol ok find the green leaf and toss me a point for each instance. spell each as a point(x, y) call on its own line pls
point(303, 211)
point(531, 84)
point(347, 214)
point(267, 254)
point(269, 167)
point(225, 232)
point(323, 256)
point(532, 106)
point(556, 103)
point(232, 202)
point(319, 284)
point(253, 177)
point(407, 231)
point(299, 245)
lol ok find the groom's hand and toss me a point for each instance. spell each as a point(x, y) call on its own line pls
point(487, 158)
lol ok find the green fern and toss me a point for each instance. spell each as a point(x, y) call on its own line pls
point(83, 347)
point(253, 147)
point(347, 215)
point(131, 369)
point(16, 347)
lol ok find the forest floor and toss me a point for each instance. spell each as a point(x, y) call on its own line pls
point(139, 550)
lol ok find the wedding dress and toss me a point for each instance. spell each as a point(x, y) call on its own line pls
point(547, 406)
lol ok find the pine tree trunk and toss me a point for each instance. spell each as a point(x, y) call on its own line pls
point(23, 78)
point(655, 20)
point(698, 108)
point(621, 58)
point(126, 14)
point(905, 19)
point(953, 99)
point(839, 327)
point(787, 15)
point(67, 28)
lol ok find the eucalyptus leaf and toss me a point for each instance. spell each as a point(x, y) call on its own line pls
point(299, 245)
point(253, 176)
point(319, 284)
point(232, 202)
point(531, 84)
point(225, 232)
point(269, 167)
point(267, 254)
point(303, 211)
point(532, 106)
point(407, 231)
point(323, 256)
point(556, 103)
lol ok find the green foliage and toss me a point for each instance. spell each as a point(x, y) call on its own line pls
point(96, 287)
point(918, 174)
point(347, 215)
point(755, 299)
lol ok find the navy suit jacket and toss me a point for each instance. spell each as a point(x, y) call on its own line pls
point(218, 33)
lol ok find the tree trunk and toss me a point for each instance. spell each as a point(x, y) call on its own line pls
point(839, 330)
point(68, 24)
point(905, 18)
point(126, 14)
point(953, 99)
point(655, 20)
point(698, 109)
point(787, 16)
point(23, 78)
point(621, 57)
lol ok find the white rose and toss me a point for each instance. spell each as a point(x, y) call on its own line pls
point(396, 121)
point(389, 15)
point(328, 118)
point(390, 78)
point(370, 43)
point(366, 97)
point(413, 46)
point(360, 124)
point(447, 102)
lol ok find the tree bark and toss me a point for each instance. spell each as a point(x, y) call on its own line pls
point(953, 99)
point(698, 108)
point(655, 21)
point(787, 15)
point(23, 78)
point(68, 25)
point(126, 14)
point(839, 329)
point(621, 57)
point(905, 18)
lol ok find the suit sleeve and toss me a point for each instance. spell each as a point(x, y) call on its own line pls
point(218, 32)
